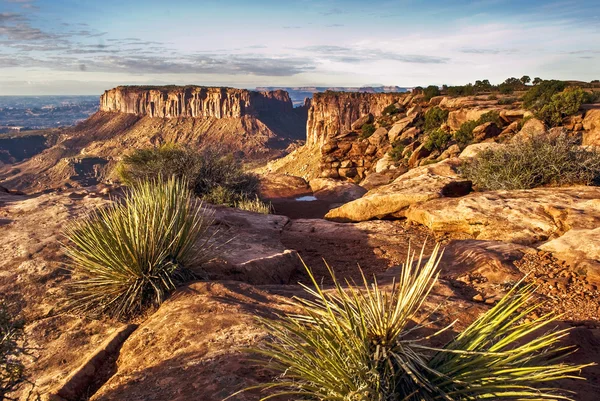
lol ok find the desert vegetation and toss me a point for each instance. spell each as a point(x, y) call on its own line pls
point(542, 160)
point(367, 130)
point(215, 177)
point(359, 342)
point(434, 118)
point(133, 253)
point(12, 338)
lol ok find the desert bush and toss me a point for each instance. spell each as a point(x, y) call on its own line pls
point(431, 91)
point(492, 97)
point(491, 117)
point(561, 105)
point(254, 205)
point(541, 161)
point(507, 101)
point(464, 135)
point(367, 130)
point(12, 371)
point(209, 173)
point(435, 117)
point(390, 110)
point(132, 253)
point(361, 343)
point(396, 151)
point(438, 139)
point(541, 94)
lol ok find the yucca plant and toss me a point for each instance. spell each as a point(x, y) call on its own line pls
point(133, 252)
point(12, 349)
point(355, 343)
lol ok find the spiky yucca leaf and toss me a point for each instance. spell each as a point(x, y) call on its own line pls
point(356, 343)
point(132, 253)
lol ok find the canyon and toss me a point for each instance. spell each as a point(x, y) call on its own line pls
point(377, 188)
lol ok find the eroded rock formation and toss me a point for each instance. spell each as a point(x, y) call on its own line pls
point(193, 101)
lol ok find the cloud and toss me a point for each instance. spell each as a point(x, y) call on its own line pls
point(359, 54)
point(9, 17)
point(332, 11)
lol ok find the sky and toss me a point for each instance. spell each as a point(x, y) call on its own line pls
point(87, 46)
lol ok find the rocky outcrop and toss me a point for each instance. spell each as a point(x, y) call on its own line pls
point(521, 216)
point(591, 124)
point(332, 113)
point(416, 186)
point(193, 101)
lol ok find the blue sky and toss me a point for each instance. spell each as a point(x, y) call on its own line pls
point(87, 46)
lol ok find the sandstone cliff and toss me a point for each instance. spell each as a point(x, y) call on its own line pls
point(332, 113)
point(194, 101)
point(253, 125)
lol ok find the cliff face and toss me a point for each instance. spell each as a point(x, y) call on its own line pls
point(332, 113)
point(194, 101)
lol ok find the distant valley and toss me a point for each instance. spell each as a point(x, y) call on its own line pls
point(299, 94)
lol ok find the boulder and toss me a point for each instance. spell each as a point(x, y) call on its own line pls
point(457, 118)
point(385, 163)
point(378, 136)
point(486, 131)
point(580, 248)
point(199, 333)
point(511, 116)
point(419, 153)
point(531, 128)
point(476, 148)
point(274, 186)
point(375, 180)
point(417, 185)
point(250, 249)
point(591, 125)
point(452, 151)
point(366, 119)
point(399, 127)
point(410, 134)
point(4, 190)
point(414, 111)
point(335, 191)
point(520, 216)
point(436, 100)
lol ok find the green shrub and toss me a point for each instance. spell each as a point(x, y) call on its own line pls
point(492, 97)
point(507, 101)
point(431, 91)
point(541, 161)
point(12, 349)
point(464, 135)
point(438, 139)
point(491, 117)
point(390, 110)
point(367, 130)
point(561, 105)
point(434, 118)
point(208, 172)
point(254, 205)
point(131, 254)
point(396, 152)
point(367, 343)
point(541, 94)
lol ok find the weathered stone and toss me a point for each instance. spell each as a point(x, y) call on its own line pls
point(452, 151)
point(378, 136)
point(520, 216)
point(459, 117)
point(375, 180)
point(328, 147)
point(282, 186)
point(531, 128)
point(335, 191)
point(418, 154)
point(347, 164)
point(366, 119)
point(486, 131)
point(476, 148)
point(348, 172)
point(414, 111)
point(330, 173)
point(399, 127)
point(591, 125)
point(410, 134)
point(417, 185)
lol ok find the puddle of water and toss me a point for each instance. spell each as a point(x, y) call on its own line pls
point(308, 198)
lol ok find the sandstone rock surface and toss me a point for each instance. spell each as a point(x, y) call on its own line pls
point(521, 216)
point(591, 124)
point(336, 191)
point(417, 185)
